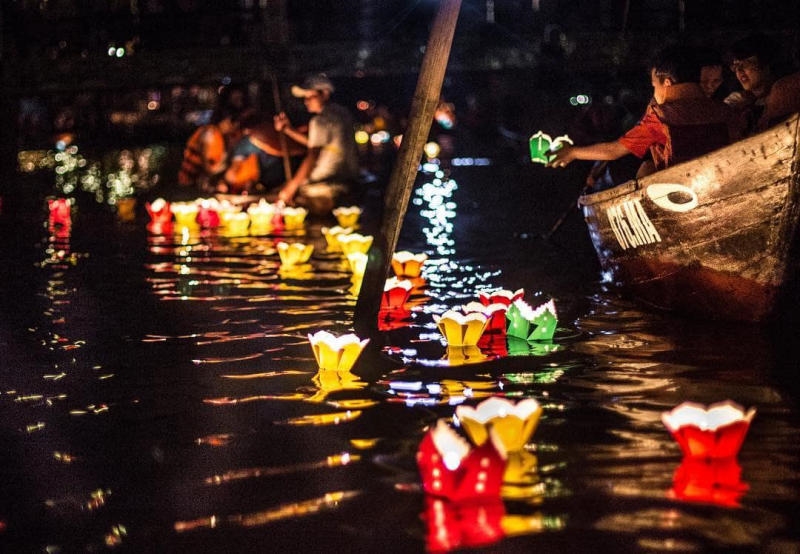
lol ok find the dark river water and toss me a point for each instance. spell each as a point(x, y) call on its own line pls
point(159, 393)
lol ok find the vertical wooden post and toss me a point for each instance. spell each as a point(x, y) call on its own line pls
point(401, 181)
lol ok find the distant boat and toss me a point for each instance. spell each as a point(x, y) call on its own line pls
point(712, 237)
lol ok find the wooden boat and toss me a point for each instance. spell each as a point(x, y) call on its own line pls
point(712, 237)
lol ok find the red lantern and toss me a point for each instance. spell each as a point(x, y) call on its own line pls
point(60, 212)
point(501, 296)
point(452, 469)
point(453, 525)
point(716, 432)
point(713, 481)
point(160, 217)
point(208, 216)
point(395, 294)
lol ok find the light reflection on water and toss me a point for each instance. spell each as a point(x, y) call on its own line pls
point(163, 392)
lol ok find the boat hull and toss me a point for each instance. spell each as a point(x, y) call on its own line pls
point(713, 237)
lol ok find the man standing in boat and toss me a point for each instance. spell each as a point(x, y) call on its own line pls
point(679, 124)
point(330, 166)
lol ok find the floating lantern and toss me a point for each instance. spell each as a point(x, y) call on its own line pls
point(347, 216)
point(500, 296)
point(521, 477)
point(292, 254)
point(513, 423)
point(126, 208)
point(262, 215)
point(395, 293)
point(354, 242)
point(406, 264)
point(542, 146)
point(431, 149)
point(294, 218)
point(332, 237)
point(208, 213)
point(60, 212)
point(458, 525)
point(234, 224)
point(495, 312)
point(452, 469)
point(714, 432)
point(336, 353)
point(185, 215)
point(461, 329)
point(527, 323)
point(160, 217)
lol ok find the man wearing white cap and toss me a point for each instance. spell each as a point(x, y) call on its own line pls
point(331, 163)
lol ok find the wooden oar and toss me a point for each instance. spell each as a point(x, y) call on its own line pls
point(276, 97)
point(404, 172)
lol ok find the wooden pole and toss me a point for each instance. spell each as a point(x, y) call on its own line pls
point(276, 97)
point(401, 181)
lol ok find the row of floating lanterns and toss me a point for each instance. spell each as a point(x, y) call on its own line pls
point(469, 464)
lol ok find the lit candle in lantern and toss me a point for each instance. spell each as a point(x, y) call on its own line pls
point(261, 217)
point(395, 293)
point(336, 353)
point(407, 264)
point(185, 216)
point(208, 213)
point(294, 218)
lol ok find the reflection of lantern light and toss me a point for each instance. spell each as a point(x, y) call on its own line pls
point(395, 293)
point(461, 329)
point(294, 218)
point(160, 216)
point(461, 355)
point(450, 468)
point(60, 212)
point(332, 236)
point(235, 224)
point(354, 242)
point(336, 353)
point(185, 215)
point(294, 253)
point(527, 323)
point(431, 149)
point(500, 296)
point(457, 525)
point(711, 480)
point(347, 216)
point(261, 216)
point(514, 423)
point(714, 432)
point(407, 264)
point(495, 312)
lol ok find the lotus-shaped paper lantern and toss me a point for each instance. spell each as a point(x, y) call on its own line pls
point(336, 353)
point(407, 264)
point(513, 423)
point(714, 432)
point(185, 215)
point(458, 525)
point(395, 293)
point(542, 146)
point(709, 480)
point(495, 312)
point(500, 296)
point(234, 224)
point(208, 213)
point(354, 242)
point(332, 236)
point(294, 218)
point(294, 253)
point(60, 212)
point(521, 478)
point(461, 329)
point(347, 216)
point(527, 323)
point(160, 217)
point(262, 215)
point(451, 468)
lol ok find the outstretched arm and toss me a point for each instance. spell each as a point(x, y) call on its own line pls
point(283, 125)
point(605, 151)
point(288, 191)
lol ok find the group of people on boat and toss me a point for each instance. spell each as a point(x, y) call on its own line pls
point(688, 117)
point(244, 151)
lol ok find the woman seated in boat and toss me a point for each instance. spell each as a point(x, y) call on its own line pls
point(766, 97)
point(257, 160)
point(680, 122)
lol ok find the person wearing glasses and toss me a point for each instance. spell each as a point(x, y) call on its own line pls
point(766, 96)
point(330, 166)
